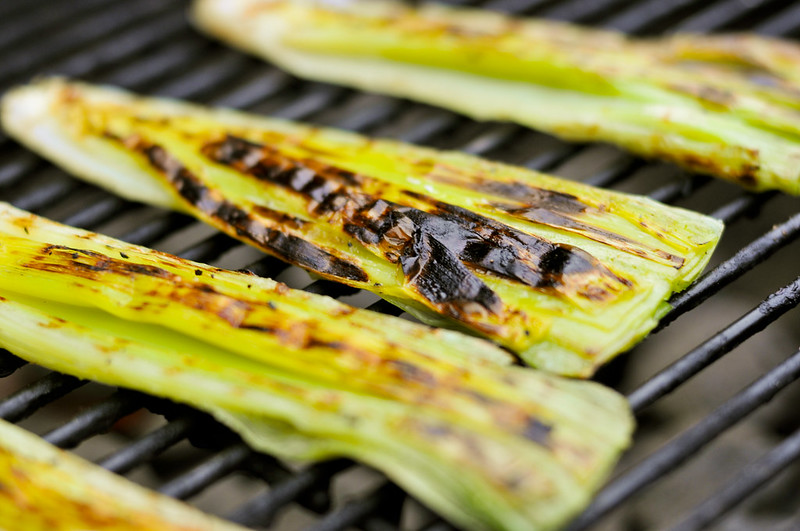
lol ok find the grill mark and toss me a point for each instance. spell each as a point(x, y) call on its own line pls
point(255, 228)
point(554, 209)
point(439, 251)
point(555, 219)
point(517, 191)
point(100, 262)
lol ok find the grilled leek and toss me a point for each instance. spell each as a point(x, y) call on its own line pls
point(563, 274)
point(724, 105)
point(302, 376)
point(47, 489)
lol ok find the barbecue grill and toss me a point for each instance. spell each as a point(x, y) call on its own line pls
point(718, 438)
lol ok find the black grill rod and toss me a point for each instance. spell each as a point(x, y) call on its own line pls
point(133, 40)
point(385, 500)
point(690, 442)
point(747, 482)
point(581, 11)
point(744, 205)
point(96, 420)
point(743, 261)
point(720, 15)
point(35, 395)
point(262, 510)
point(151, 445)
point(671, 192)
point(641, 15)
point(87, 63)
point(87, 32)
point(783, 23)
point(13, 9)
point(21, 34)
point(201, 476)
point(717, 346)
point(56, 185)
point(89, 55)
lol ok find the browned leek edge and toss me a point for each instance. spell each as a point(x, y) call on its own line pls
point(305, 377)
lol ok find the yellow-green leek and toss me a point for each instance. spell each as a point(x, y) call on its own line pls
point(487, 444)
point(563, 274)
point(725, 105)
point(47, 489)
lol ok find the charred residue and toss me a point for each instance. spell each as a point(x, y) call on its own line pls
point(259, 227)
point(441, 248)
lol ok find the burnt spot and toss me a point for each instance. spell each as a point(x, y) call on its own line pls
point(413, 373)
point(707, 94)
point(308, 255)
point(441, 278)
point(258, 328)
point(537, 431)
point(91, 261)
point(262, 227)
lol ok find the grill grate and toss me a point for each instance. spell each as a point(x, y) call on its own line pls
point(147, 46)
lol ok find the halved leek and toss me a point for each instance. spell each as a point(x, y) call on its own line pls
point(725, 105)
point(302, 376)
point(564, 274)
point(47, 489)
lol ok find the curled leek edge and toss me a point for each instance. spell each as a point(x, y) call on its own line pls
point(487, 444)
point(48, 489)
point(724, 105)
point(563, 274)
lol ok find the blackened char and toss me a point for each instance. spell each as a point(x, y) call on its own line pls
point(441, 278)
point(255, 229)
point(444, 245)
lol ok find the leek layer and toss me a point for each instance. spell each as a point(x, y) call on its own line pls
point(563, 274)
point(726, 105)
point(47, 489)
point(487, 444)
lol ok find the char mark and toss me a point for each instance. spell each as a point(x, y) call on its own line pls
point(91, 261)
point(537, 431)
point(260, 229)
point(441, 250)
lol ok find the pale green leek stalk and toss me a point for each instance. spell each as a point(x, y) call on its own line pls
point(487, 444)
point(47, 489)
point(563, 274)
point(724, 105)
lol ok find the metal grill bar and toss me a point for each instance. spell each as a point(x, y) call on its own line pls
point(689, 443)
point(263, 510)
point(151, 445)
point(745, 484)
point(720, 344)
point(384, 500)
point(743, 261)
point(38, 394)
point(95, 420)
point(207, 472)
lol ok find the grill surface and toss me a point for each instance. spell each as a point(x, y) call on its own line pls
point(699, 450)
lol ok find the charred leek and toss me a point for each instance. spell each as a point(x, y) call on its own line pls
point(47, 489)
point(304, 377)
point(724, 105)
point(563, 274)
